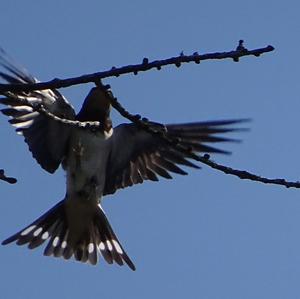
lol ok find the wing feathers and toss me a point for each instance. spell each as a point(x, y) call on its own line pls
point(46, 139)
point(145, 157)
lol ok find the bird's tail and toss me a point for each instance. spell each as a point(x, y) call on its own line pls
point(98, 239)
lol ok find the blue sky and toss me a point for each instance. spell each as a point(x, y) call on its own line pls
point(206, 235)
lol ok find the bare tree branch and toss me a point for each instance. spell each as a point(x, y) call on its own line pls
point(3, 177)
point(144, 66)
point(245, 175)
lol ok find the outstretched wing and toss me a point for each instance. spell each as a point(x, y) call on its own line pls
point(46, 138)
point(137, 155)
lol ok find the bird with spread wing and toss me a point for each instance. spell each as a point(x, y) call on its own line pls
point(97, 162)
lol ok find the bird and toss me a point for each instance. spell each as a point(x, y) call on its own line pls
point(97, 162)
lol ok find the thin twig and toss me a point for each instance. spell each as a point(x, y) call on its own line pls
point(9, 180)
point(245, 175)
point(144, 66)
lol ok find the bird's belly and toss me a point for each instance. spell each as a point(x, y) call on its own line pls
point(86, 165)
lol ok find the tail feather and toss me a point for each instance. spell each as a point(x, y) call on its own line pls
point(92, 254)
point(55, 230)
point(109, 245)
point(98, 239)
point(37, 228)
point(60, 240)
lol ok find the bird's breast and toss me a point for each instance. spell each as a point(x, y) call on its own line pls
point(86, 164)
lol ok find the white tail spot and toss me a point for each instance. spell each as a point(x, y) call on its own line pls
point(117, 246)
point(101, 246)
point(109, 246)
point(91, 248)
point(45, 235)
point(55, 241)
point(38, 231)
point(28, 230)
point(64, 244)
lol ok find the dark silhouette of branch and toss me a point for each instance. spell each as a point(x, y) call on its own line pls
point(146, 65)
point(3, 177)
point(245, 175)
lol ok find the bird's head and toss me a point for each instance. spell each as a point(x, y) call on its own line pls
point(96, 107)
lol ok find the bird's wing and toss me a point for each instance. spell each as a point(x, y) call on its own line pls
point(47, 139)
point(137, 155)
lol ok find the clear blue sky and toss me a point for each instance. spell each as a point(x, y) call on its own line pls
point(206, 235)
